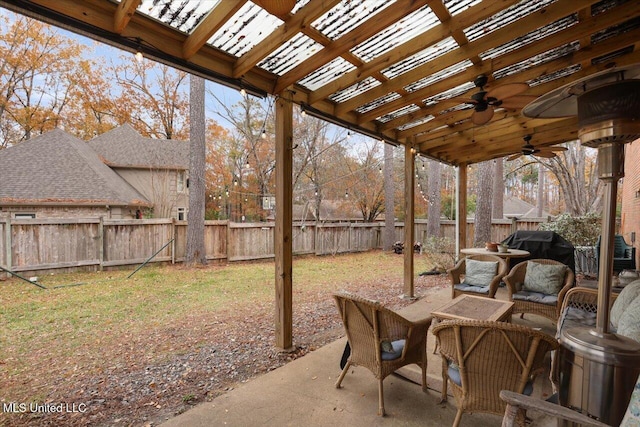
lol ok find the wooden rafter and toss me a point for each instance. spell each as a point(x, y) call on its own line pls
point(125, 11)
point(347, 41)
point(209, 25)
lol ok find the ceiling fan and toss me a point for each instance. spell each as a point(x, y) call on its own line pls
point(504, 96)
point(529, 150)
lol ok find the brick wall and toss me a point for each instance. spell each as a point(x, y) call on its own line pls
point(630, 219)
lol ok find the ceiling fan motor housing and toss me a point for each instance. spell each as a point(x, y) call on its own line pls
point(609, 113)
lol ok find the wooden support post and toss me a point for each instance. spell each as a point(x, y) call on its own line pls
point(461, 214)
point(284, 223)
point(409, 214)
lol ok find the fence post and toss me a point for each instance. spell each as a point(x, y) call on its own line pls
point(7, 245)
point(173, 240)
point(101, 244)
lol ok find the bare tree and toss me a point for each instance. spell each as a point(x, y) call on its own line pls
point(195, 251)
point(540, 201)
point(389, 191)
point(482, 222)
point(575, 172)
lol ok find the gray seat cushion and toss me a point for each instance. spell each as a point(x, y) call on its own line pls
point(394, 352)
point(463, 287)
point(536, 297)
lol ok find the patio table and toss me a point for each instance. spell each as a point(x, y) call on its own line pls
point(511, 253)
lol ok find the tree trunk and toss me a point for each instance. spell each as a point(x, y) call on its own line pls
point(498, 190)
point(195, 251)
point(434, 198)
point(540, 201)
point(483, 204)
point(389, 211)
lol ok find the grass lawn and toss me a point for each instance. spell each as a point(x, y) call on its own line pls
point(137, 349)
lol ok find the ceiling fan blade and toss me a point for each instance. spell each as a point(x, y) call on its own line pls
point(507, 90)
point(552, 149)
point(482, 117)
point(514, 156)
point(546, 154)
point(517, 102)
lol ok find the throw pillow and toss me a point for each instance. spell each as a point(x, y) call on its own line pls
point(629, 325)
point(479, 273)
point(544, 278)
point(626, 297)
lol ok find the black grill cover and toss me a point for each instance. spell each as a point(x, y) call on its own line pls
point(542, 244)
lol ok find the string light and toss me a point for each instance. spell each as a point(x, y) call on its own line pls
point(243, 92)
point(139, 56)
point(235, 182)
point(264, 134)
point(422, 165)
point(346, 194)
point(303, 113)
point(247, 165)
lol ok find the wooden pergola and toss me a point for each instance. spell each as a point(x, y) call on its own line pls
point(402, 71)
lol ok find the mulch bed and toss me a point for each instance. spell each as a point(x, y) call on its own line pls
point(211, 356)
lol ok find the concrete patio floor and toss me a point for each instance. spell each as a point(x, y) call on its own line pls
point(302, 393)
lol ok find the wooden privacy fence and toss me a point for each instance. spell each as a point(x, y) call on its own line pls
point(32, 245)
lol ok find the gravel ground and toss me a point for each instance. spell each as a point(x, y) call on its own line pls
point(213, 356)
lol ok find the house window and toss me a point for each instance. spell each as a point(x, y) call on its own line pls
point(24, 216)
point(180, 182)
point(182, 214)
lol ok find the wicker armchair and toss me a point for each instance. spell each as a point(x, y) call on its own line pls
point(456, 274)
point(481, 358)
point(371, 329)
point(551, 310)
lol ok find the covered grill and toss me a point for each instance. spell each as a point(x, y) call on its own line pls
point(542, 244)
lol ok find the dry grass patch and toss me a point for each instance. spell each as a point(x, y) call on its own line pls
point(143, 349)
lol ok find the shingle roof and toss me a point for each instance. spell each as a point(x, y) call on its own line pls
point(124, 147)
point(58, 168)
point(518, 207)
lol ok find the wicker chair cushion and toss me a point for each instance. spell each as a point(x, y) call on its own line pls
point(454, 375)
point(394, 352)
point(463, 287)
point(574, 316)
point(544, 278)
point(479, 273)
point(538, 297)
point(625, 298)
point(629, 324)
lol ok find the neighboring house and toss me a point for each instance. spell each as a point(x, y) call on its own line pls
point(515, 207)
point(157, 168)
point(118, 175)
point(57, 175)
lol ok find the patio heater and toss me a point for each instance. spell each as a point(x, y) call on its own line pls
point(598, 369)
